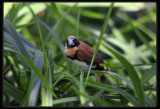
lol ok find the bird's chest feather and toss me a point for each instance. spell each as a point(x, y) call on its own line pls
point(71, 51)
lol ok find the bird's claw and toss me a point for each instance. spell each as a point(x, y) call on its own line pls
point(109, 74)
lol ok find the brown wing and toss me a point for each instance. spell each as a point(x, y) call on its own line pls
point(85, 53)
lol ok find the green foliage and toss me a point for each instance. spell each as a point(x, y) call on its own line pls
point(37, 72)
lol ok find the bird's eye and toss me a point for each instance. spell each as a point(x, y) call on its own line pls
point(76, 42)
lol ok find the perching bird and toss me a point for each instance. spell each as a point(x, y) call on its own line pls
point(81, 54)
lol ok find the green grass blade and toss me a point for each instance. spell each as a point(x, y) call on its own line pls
point(71, 77)
point(14, 92)
point(37, 72)
point(132, 74)
point(148, 32)
point(26, 98)
point(47, 72)
point(77, 23)
point(65, 100)
point(137, 23)
point(82, 89)
point(149, 74)
point(100, 39)
point(12, 32)
point(124, 79)
point(141, 37)
point(49, 76)
point(24, 25)
point(59, 43)
point(44, 51)
point(149, 101)
point(38, 62)
point(71, 21)
point(129, 49)
point(113, 89)
point(57, 24)
point(98, 100)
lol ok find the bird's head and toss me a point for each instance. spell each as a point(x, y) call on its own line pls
point(72, 42)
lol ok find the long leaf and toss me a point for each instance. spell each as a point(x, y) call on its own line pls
point(65, 100)
point(132, 74)
point(13, 91)
point(113, 89)
point(59, 43)
point(37, 72)
point(142, 38)
point(46, 68)
point(149, 74)
point(11, 30)
point(98, 100)
point(38, 62)
point(100, 39)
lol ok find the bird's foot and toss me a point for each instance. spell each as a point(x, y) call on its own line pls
point(97, 77)
point(109, 74)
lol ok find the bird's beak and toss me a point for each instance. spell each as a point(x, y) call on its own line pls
point(70, 42)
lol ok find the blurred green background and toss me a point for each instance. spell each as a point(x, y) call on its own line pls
point(131, 32)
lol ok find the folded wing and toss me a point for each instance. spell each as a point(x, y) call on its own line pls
point(85, 53)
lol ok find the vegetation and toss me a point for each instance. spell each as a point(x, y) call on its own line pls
point(37, 72)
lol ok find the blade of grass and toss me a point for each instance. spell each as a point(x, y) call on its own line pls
point(100, 39)
point(71, 21)
point(98, 100)
point(44, 51)
point(65, 100)
point(15, 37)
point(13, 91)
point(82, 89)
point(151, 13)
point(60, 20)
point(38, 62)
point(71, 77)
point(141, 37)
point(59, 43)
point(46, 68)
point(137, 23)
point(148, 32)
point(139, 92)
point(51, 70)
point(148, 101)
point(85, 12)
point(37, 72)
point(48, 94)
point(25, 12)
point(26, 98)
point(24, 25)
point(128, 49)
point(113, 89)
point(77, 23)
point(149, 74)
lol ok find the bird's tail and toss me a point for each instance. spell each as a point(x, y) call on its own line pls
point(102, 65)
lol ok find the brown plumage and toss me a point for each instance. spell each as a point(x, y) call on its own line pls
point(85, 53)
point(71, 51)
point(81, 54)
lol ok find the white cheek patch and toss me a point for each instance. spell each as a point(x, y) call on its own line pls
point(81, 64)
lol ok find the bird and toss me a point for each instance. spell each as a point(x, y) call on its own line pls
point(81, 54)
